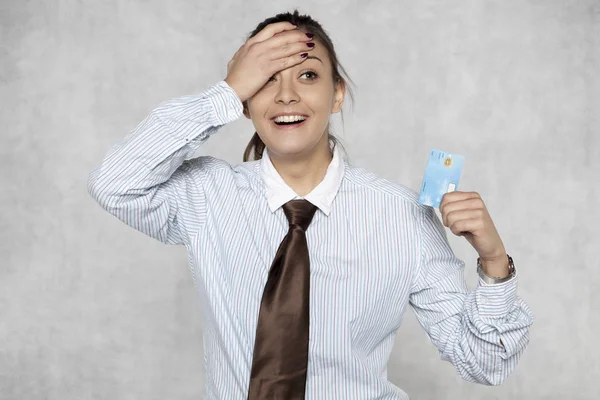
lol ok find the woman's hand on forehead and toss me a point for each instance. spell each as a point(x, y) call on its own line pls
point(276, 47)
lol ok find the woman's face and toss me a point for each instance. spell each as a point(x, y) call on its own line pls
point(306, 89)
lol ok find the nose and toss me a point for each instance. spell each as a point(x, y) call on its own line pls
point(286, 93)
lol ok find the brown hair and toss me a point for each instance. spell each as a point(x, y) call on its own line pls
point(305, 23)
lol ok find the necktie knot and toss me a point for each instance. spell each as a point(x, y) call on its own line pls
point(299, 213)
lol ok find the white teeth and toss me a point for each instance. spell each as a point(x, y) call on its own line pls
point(289, 118)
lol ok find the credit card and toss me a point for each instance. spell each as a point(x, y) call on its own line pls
point(441, 176)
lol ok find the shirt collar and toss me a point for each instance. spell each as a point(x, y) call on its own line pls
point(278, 192)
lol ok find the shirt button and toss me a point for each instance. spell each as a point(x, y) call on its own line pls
point(483, 300)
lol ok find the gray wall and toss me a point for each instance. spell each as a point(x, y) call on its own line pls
point(91, 309)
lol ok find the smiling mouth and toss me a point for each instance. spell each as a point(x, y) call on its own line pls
point(289, 125)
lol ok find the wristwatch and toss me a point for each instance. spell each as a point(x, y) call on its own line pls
point(492, 280)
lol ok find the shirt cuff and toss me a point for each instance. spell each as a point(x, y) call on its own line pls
point(225, 102)
point(496, 300)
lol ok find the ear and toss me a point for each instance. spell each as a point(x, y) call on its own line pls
point(246, 113)
point(338, 96)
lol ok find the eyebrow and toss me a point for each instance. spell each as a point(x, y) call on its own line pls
point(314, 58)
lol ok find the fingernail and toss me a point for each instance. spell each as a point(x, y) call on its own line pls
point(310, 44)
point(294, 23)
point(304, 55)
point(310, 35)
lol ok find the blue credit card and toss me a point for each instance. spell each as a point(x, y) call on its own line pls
point(441, 176)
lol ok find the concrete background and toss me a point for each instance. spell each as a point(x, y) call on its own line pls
point(91, 309)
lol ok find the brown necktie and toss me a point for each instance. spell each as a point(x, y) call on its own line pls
point(280, 358)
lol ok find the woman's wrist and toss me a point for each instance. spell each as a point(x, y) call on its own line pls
point(496, 268)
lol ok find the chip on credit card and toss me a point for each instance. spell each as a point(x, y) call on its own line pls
point(441, 176)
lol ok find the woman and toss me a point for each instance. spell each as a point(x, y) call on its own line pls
point(305, 263)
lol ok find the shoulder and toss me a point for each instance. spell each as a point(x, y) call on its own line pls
point(387, 190)
point(212, 167)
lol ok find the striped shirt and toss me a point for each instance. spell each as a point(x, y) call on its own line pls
point(374, 252)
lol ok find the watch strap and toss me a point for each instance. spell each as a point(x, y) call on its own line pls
point(493, 280)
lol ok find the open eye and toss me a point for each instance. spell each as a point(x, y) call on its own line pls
point(312, 75)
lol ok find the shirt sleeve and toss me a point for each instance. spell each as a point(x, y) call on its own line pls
point(144, 179)
point(483, 333)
